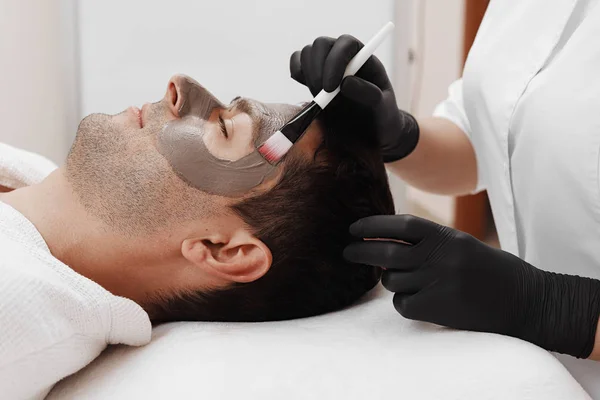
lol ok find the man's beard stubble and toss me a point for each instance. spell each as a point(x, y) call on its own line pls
point(121, 179)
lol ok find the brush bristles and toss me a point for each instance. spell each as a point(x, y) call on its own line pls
point(275, 147)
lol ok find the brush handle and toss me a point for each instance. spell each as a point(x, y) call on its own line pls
point(323, 98)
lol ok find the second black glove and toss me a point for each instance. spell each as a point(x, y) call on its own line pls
point(450, 278)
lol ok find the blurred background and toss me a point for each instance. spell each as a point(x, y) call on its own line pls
point(64, 59)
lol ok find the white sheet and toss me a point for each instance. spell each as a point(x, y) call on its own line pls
point(365, 352)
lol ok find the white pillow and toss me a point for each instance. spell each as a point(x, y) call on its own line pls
point(365, 352)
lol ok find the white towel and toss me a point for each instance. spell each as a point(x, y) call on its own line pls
point(53, 321)
point(20, 168)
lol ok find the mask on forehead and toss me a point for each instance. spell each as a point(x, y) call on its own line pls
point(181, 142)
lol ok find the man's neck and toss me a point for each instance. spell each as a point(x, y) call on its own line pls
point(44, 205)
point(74, 237)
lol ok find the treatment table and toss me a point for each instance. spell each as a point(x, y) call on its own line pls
point(367, 351)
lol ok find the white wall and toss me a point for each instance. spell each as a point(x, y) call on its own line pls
point(439, 59)
point(130, 48)
point(38, 105)
point(441, 53)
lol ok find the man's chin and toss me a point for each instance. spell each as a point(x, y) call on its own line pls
point(96, 134)
point(93, 123)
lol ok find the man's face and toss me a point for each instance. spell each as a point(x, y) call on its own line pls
point(212, 146)
point(141, 169)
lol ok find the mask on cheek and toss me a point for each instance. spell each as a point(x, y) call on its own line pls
point(181, 142)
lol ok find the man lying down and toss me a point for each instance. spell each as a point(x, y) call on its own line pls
point(170, 214)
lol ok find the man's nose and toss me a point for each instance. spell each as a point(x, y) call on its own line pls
point(173, 97)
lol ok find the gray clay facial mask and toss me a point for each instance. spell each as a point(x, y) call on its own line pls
point(182, 143)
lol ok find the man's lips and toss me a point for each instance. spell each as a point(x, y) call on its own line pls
point(144, 113)
point(137, 114)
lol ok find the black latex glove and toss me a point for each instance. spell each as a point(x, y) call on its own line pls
point(450, 278)
point(322, 65)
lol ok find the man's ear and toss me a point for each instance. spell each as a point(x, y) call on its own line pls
point(239, 257)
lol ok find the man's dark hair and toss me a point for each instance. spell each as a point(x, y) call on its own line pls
point(304, 221)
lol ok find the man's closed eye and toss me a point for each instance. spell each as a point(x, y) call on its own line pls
point(223, 127)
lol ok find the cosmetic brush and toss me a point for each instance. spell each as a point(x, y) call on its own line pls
point(277, 146)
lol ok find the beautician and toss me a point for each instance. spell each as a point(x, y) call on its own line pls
point(523, 123)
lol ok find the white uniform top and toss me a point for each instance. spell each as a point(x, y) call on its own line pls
point(529, 100)
point(53, 321)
